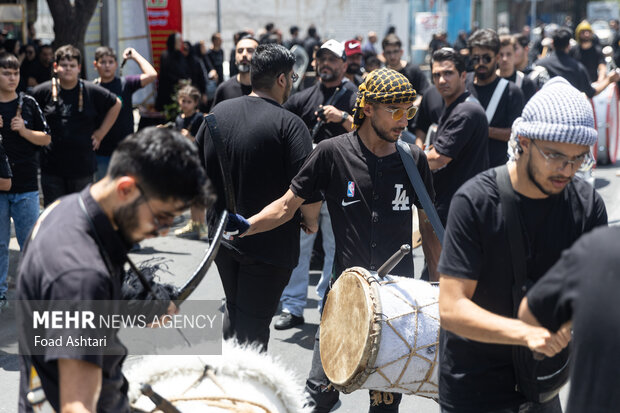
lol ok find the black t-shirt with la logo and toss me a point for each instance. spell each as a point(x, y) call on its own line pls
point(369, 200)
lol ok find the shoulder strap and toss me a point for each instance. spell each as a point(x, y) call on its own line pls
point(406, 155)
point(497, 95)
point(220, 151)
point(514, 232)
point(519, 79)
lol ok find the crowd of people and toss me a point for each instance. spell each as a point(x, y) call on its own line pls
point(488, 131)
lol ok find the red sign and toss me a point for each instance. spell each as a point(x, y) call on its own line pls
point(165, 17)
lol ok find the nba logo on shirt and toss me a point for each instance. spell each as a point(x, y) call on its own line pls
point(351, 189)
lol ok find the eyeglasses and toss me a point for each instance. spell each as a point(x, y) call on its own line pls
point(397, 114)
point(486, 59)
point(294, 76)
point(157, 221)
point(559, 161)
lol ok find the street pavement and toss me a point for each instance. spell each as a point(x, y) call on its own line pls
point(292, 347)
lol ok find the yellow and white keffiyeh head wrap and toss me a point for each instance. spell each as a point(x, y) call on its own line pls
point(382, 86)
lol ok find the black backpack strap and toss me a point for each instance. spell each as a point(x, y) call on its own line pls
point(222, 156)
point(514, 232)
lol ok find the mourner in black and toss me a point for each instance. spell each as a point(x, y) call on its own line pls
point(368, 194)
point(506, 67)
point(588, 52)
point(80, 114)
point(240, 84)
point(484, 84)
point(580, 289)
point(393, 53)
point(77, 251)
point(428, 114)
point(266, 146)
point(331, 100)
point(459, 148)
point(559, 63)
point(479, 328)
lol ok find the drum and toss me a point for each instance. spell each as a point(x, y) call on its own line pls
point(239, 380)
point(381, 334)
point(606, 121)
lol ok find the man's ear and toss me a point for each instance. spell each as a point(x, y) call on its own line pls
point(368, 110)
point(126, 188)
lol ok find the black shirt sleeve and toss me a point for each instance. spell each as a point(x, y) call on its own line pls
point(298, 146)
point(454, 136)
point(515, 103)
point(528, 88)
point(315, 173)
point(102, 98)
point(31, 112)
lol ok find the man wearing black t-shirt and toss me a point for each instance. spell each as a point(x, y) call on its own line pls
point(124, 87)
point(484, 85)
point(393, 53)
point(589, 54)
point(459, 148)
point(266, 145)
point(506, 67)
point(581, 289)
point(428, 114)
point(79, 114)
point(479, 328)
point(77, 252)
point(24, 131)
point(41, 70)
point(559, 63)
point(369, 197)
point(330, 101)
point(240, 84)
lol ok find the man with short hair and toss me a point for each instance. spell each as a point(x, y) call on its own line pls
point(353, 50)
point(77, 252)
point(330, 101)
point(80, 114)
point(24, 131)
point(42, 68)
point(559, 63)
point(459, 148)
point(240, 84)
point(477, 282)
point(123, 87)
point(393, 53)
point(506, 67)
point(522, 51)
point(265, 145)
point(369, 195)
point(502, 100)
point(294, 40)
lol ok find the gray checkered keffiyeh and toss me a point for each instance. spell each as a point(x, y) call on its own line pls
point(557, 113)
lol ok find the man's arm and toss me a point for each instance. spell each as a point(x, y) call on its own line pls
point(420, 138)
point(310, 217)
point(609, 78)
point(33, 136)
point(460, 315)
point(437, 160)
point(80, 385)
point(149, 74)
point(275, 214)
point(107, 124)
point(500, 134)
point(430, 245)
point(5, 184)
point(335, 115)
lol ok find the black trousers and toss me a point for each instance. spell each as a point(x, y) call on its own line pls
point(54, 186)
point(253, 289)
point(552, 406)
point(324, 397)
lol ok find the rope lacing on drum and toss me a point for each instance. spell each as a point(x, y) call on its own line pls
point(224, 402)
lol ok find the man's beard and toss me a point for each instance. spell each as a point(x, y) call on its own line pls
point(126, 219)
point(531, 176)
point(243, 67)
point(354, 69)
point(488, 74)
point(381, 133)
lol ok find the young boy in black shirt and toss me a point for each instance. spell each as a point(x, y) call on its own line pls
point(24, 131)
point(123, 87)
point(188, 122)
point(80, 114)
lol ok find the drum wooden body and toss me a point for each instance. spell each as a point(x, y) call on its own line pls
point(381, 334)
point(606, 116)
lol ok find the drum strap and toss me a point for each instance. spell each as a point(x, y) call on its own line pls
point(514, 232)
point(406, 155)
point(495, 98)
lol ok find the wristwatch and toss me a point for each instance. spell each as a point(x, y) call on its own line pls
point(345, 116)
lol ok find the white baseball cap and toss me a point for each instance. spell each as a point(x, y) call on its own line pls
point(335, 47)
